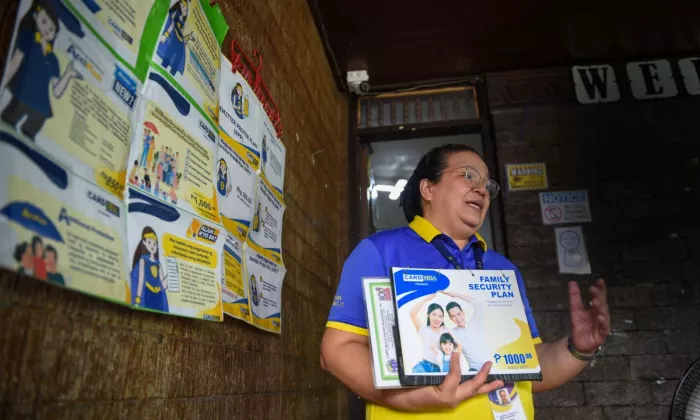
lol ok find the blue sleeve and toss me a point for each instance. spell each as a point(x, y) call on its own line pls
point(348, 310)
point(526, 304)
point(25, 38)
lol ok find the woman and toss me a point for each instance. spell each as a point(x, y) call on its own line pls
point(429, 333)
point(222, 184)
point(445, 201)
point(171, 45)
point(148, 279)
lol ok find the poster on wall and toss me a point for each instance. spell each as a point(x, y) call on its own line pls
point(235, 292)
point(58, 228)
point(571, 251)
point(174, 152)
point(174, 260)
point(265, 233)
point(236, 184)
point(239, 114)
point(562, 207)
point(187, 53)
point(273, 155)
point(264, 283)
point(527, 176)
point(68, 94)
point(121, 26)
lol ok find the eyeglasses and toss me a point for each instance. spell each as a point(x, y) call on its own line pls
point(475, 180)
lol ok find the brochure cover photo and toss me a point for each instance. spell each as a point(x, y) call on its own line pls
point(478, 313)
point(379, 304)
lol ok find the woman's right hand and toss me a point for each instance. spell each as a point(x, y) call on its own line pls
point(451, 393)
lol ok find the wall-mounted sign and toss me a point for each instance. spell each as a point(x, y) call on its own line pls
point(571, 251)
point(564, 207)
point(527, 176)
point(647, 79)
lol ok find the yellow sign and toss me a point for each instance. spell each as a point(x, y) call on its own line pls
point(527, 176)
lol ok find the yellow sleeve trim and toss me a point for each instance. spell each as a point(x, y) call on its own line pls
point(536, 341)
point(347, 327)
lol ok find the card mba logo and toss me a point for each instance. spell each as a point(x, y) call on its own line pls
point(419, 278)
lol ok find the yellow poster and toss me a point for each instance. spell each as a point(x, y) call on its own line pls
point(57, 227)
point(120, 23)
point(263, 280)
point(527, 176)
point(172, 157)
point(188, 54)
point(235, 294)
point(236, 183)
point(68, 94)
point(265, 233)
point(273, 155)
point(174, 260)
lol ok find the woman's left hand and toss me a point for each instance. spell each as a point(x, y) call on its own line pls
point(589, 326)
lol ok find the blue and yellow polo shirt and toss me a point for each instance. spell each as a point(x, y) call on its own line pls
point(411, 247)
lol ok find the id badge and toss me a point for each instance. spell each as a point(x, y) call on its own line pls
point(506, 404)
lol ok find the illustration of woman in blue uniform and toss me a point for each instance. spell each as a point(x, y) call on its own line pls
point(264, 153)
point(148, 280)
point(171, 46)
point(33, 70)
point(256, 220)
point(254, 290)
point(237, 100)
point(222, 185)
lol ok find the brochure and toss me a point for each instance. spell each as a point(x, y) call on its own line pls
point(379, 304)
point(476, 312)
point(263, 279)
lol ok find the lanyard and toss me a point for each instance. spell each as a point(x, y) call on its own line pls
point(440, 245)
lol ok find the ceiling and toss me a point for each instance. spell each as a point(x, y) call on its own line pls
point(403, 43)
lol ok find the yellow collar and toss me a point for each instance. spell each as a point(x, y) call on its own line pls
point(37, 38)
point(428, 232)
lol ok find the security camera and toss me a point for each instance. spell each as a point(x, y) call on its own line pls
point(358, 82)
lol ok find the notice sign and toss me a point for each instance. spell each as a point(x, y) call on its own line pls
point(571, 251)
point(527, 176)
point(565, 207)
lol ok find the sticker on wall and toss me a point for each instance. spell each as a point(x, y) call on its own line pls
point(273, 154)
point(239, 114)
point(235, 294)
point(236, 183)
point(527, 176)
point(174, 263)
point(265, 233)
point(264, 282)
point(565, 207)
point(571, 251)
point(58, 228)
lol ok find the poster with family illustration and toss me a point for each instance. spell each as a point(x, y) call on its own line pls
point(58, 228)
point(174, 260)
point(478, 314)
point(65, 92)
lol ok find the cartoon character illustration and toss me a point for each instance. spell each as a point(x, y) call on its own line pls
point(133, 178)
point(148, 279)
point(25, 259)
point(254, 290)
point(222, 185)
point(38, 255)
point(256, 220)
point(171, 46)
point(264, 153)
point(237, 100)
point(51, 259)
point(33, 70)
point(147, 183)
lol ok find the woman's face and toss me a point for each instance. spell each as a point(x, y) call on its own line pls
point(39, 250)
point(436, 318)
point(45, 26)
point(453, 198)
point(447, 347)
point(184, 7)
point(151, 245)
point(222, 167)
point(28, 258)
point(239, 90)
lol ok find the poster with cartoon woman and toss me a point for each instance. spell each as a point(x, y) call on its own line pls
point(178, 154)
point(236, 183)
point(57, 227)
point(235, 294)
point(176, 265)
point(264, 282)
point(239, 115)
point(66, 92)
point(187, 53)
point(274, 155)
point(266, 231)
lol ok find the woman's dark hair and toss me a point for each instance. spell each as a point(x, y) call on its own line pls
point(35, 241)
point(431, 308)
point(429, 167)
point(147, 180)
point(141, 248)
point(47, 6)
point(20, 249)
point(447, 338)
